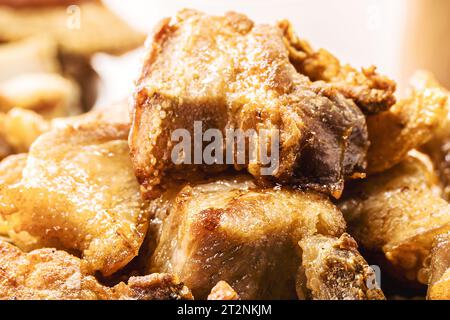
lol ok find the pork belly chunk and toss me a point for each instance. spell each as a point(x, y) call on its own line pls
point(78, 192)
point(397, 214)
point(48, 274)
point(231, 230)
point(229, 73)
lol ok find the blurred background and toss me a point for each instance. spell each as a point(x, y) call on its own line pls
point(398, 36)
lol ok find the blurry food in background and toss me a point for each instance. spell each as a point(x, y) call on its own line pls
point(439, 272)
point(95, 28)
point(45, 63)
point(333, 269)
point(47, 274)
point(21, 127)
point(78, 192)
point(395, 215)
point(372, 92)
point(409, 124)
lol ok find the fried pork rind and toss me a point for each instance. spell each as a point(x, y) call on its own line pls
point(407, 125)
point(78, 193)
point(230, 230)
point(397, 214)
point(439, 272)
point(10, 174)
point(223, 291)
point(333, 269)
point(98, 30)
point(372, 92)
point(243, 81)
point(48, 274)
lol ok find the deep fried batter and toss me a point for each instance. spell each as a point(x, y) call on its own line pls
point(439, 281)
point(78, 192)
point(408, 125)
point(397, 214)
point(372, 92)
point(231, 74)
point(47, 274)
point(333, 269)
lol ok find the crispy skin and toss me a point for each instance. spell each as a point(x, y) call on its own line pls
point(78, 192)
point(101, 30)
point(372, 92)
point(244, 80)
point(439, 281)
point(397, 214)
point(231, 230)
point(5, 148)
point(333, 269)
point(10, 174)
point(223, 291)
point(48, 274)
point(408, 125)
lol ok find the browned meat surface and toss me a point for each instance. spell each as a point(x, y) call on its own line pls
point(231, 74)
point(439, 281)
point(231, 230)
point(78, 192)
point(408, 125)
point(372, 92)
point(397, 214)
point(48, 274)
point(223, 291)
point(333, 269)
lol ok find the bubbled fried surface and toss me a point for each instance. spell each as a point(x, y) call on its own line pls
point(78, 193)
point(230, 73)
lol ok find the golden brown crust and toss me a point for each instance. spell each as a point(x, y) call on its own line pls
point(408, 125)
point(333, 269)
point(78, 192)
point(229, 229)
point(223, 291)
point(48, 274)
point(398, 213)
point(243, 81)
point(372, 92)
point(439, 273)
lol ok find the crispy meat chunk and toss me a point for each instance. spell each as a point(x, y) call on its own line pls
point(408, 125)
point(333, 269)
point(231, 230)
point(48, 274)
point(439, 281)
point(372, 92)
point(223, 291)
point(397, 214)
point(78, 192)
point(231, 74)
